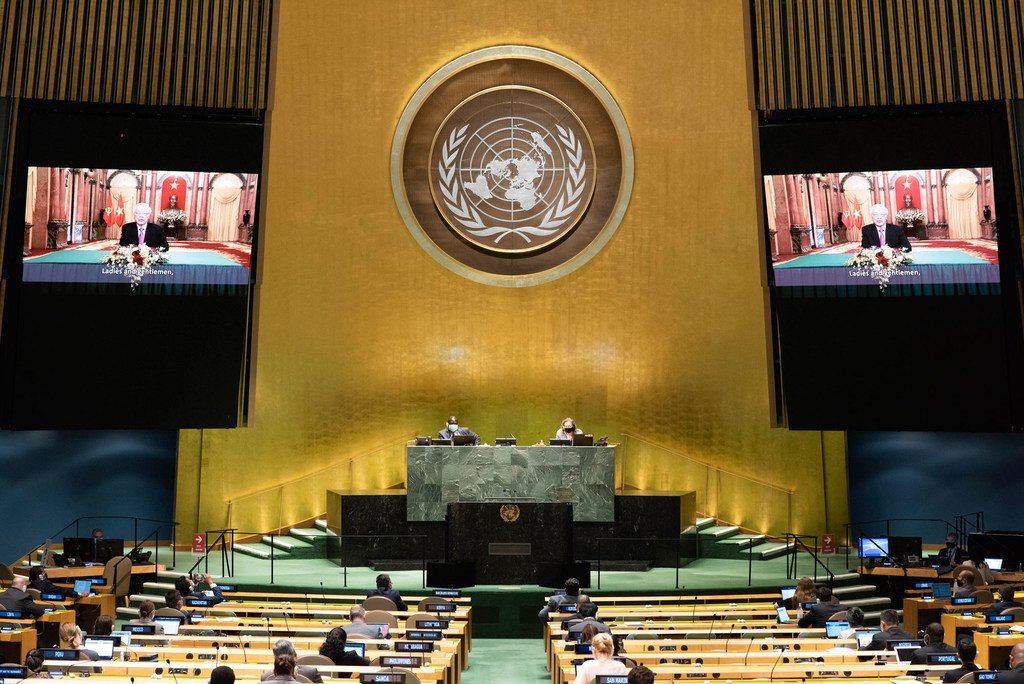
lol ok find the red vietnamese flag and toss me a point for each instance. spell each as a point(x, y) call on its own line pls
point(173, 185)
point(118, 215)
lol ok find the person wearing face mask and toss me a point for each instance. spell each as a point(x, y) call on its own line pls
point(568, 429)
point(934, 642)
point(883, 233)
point(965, 583)
point(952, 555)
point(452, 428)
point(141, 231)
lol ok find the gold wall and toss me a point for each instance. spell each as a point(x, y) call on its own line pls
point(363, 340)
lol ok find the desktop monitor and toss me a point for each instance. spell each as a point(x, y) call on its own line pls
point(833, 628)
point(83, 586)
point(171, 624)
point(559, 442)
point(874, 547)
point(356, 647)
point(103, 645)
point(994, 564)
point(463, 440)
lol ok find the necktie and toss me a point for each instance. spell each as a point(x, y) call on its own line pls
point(881, 237)
point(142, 235)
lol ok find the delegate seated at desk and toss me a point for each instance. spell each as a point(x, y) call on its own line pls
point(452, 428)
point(41, 583)
point(187, 586)
point(1006, 600)
point(1015, 675)
point(17, 599)
point(568, 429)
point(821, 611)
point(890, 623)
point(934, 642)
point(951, 555)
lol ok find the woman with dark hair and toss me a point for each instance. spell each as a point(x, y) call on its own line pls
point(103, 626)
point(385, 589)
point(334, 648)
point(34, 665)
point(284, 668)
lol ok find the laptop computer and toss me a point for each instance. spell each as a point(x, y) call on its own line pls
point(103, 645)
point(864, 638)
point(994, 564)
point(905, 653)
point(787, 593)
point(356, 647)
point(83, 586)
point(783, 615)
point(124, 636)
point(941, 590)
point(171, 624)
point(383, 627)
point(834, 628)
point(583, 440)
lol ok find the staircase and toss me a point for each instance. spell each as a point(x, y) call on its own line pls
point(299, 543)
point(729, 541)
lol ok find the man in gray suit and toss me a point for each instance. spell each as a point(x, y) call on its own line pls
point(588, 616)
point(359, 629)
point(285, 647)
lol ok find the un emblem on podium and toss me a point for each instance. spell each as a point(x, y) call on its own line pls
point(509, 513)
point(512, 166)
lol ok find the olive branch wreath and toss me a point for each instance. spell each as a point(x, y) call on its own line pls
point(466, 214)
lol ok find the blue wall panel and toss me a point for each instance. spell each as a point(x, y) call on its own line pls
point(936, 475)
point(49, 478)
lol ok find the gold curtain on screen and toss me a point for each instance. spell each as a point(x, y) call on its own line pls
point(224, 214)
point(962, 211)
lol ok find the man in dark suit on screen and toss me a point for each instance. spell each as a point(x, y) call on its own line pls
point(151, 234)
point(883, 233)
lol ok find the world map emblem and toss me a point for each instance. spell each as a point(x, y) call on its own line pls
point(512, 169)
point(511, 166)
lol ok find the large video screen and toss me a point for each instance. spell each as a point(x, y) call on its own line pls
point(130, 267)
point(135, 226)
point(892, 264)
point(913, 228)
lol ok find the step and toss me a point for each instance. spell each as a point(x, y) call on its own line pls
point(846, 577)
point(742, 541)
point(321, 523)
point(850, 590)
point(718, 532)
point(304, 532)
point(770, 550)
point(288, 544)
point(875, 602)
point(261, 551)
point(700, 524)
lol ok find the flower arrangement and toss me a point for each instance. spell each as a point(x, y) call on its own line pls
point(909, 217)
point(134, 260)
point(879, 263)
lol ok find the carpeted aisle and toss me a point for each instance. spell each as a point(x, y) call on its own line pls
point(495, 661)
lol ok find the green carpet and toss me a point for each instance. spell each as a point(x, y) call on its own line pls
point(506, 660)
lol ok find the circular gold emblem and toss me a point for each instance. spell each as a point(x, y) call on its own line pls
point(512, 166)
point(512, 169)
point(509, 513)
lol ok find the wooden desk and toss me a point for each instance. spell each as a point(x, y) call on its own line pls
point(994, 650)
point(112, 670)
point(81, 572)
point(919, 613)
point(954, 622)
point(15, 644)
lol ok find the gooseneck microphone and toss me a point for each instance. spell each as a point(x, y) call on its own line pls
point(171, 670)
point(269, 647)
point(322, 594)
point(771, 675)
point(245, 656)
point(747, 654)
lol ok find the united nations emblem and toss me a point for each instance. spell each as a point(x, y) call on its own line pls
point(509, 513)
point(495, 160)
point(512, 169)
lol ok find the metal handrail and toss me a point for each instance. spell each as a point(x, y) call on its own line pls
point(675, 540)
point(423, 551)
point(76, 522)
point(797, 544)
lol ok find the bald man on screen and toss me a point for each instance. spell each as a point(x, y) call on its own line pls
point(141, 231)
point(880, 232)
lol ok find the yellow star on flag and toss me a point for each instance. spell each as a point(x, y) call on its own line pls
point(906, 183)
point(120, 211)
point(856, 214)
point(174, 184)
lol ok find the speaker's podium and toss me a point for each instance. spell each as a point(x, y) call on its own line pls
point(512, 541)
